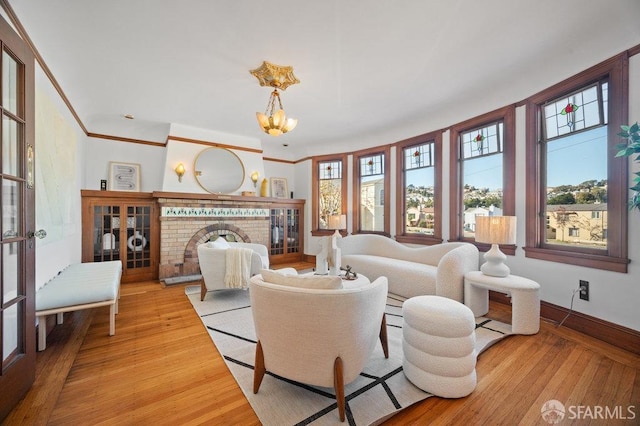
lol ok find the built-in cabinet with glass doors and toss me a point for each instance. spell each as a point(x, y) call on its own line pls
point(286, 240)
point(121, 226)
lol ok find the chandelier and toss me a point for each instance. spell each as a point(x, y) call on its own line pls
point(274, 121)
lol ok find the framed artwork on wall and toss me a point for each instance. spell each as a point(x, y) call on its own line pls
point(124, 176)
point(279, 187)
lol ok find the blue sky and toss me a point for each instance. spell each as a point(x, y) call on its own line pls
point(571, 161)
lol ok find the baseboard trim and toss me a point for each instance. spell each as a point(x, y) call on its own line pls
point(614, 334)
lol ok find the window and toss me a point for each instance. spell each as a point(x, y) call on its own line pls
point(572, 175)
point(482, 171)
point(574, 145)
point(371, 206)
point(329, 191)
point(418, 212)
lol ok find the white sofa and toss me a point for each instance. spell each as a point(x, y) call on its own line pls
point(412, 271)
point(213, 261)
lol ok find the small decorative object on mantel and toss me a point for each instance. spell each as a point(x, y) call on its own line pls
point(348, 275)
point(264, 188)
point(248, 193)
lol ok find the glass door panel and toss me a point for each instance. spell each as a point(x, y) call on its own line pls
point(12, 299)
point(138, 234)
point(106, 233)
point(9, 83)
point(293, 237)
point(277, 232)
point(10, 156)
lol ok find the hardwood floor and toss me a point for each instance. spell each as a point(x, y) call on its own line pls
point(161, 367)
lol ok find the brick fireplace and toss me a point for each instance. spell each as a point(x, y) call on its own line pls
point(187, 220)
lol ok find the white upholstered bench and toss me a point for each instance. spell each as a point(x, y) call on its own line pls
point(79, 286)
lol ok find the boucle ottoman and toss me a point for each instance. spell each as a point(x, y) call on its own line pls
point(439, 346)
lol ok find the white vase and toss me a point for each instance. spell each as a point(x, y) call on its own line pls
point(136, 242)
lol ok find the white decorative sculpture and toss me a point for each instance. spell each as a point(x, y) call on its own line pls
point(335, 254)
point(322, 267)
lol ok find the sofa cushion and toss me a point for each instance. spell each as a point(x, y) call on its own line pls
point(315, 282)
point(219, 243)
point(407, 279)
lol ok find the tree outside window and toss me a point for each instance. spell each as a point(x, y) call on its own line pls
point(329, 191)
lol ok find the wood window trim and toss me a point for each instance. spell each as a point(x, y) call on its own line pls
point(456, 206)
point(401, 235)
point(616, 69)
point(386, 151)
point(315, 191)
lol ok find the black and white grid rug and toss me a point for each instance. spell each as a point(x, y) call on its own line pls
point(379, 392)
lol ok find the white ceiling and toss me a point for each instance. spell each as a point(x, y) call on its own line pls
point(371, 71)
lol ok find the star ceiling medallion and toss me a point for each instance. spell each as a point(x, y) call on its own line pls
point(276, 76)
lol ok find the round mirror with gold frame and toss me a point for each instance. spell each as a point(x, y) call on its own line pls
point(219, 171)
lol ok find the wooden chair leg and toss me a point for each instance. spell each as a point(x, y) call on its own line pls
point(338, 384)
point(203, 289)
point(383, 336)
point(258, 369)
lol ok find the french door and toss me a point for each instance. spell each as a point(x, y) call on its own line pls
point(17, 222)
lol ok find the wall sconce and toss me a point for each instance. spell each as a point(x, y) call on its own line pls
point(180, 171)
point(254, 179)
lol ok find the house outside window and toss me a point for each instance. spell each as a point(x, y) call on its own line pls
point(418, 188)
point(482, 171)
point(572, 175)
point(329, 191)
point(371, 212)
point(482, 158)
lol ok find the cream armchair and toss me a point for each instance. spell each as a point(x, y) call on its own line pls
point(320, 337)
point(212, 259)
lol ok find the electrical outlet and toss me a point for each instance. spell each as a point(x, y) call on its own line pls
point(584, 290)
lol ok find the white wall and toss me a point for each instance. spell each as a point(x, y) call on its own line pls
point(286, 170)
point(59, 152)
point(99, 152)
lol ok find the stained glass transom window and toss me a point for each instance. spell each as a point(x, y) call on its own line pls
point(372, 165)
point(330, 170)
point(483, 141)
point(416, 157)
point(581, 110)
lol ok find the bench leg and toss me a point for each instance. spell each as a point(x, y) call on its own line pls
point(59, 318)
point(112, 319)
point(42, 333)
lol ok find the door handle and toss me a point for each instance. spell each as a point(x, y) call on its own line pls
point(40, 234)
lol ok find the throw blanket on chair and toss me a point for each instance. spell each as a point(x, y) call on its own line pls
point(238, 267)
